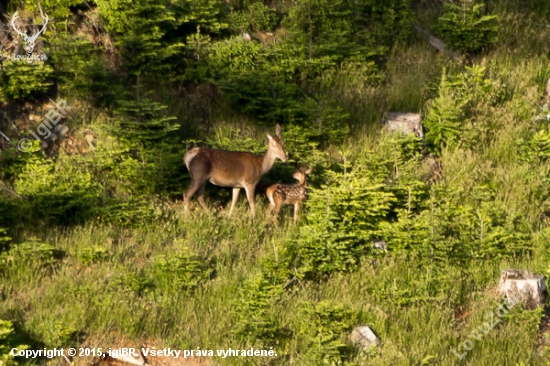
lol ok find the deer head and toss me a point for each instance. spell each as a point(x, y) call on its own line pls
point(29, 40)
point(300, 175)
point(276, 144)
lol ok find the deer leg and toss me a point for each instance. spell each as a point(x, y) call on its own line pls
point(270, 208)
point(200, 196)
point(236, 191)
point(296, 212)
point(270, 196)
point(189, 193)
point(250, 195)
point(277, 207)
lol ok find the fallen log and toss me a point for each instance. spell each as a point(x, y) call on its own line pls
point(436, 43)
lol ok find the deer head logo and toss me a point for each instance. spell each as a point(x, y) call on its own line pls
point(29, 40)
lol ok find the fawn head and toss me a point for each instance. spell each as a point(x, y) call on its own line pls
point(300, 175)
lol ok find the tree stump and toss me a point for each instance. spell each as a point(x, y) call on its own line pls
point(380, 244)
point(522, 286)
point(364, 336)
point(404, 123)
point(547, 94)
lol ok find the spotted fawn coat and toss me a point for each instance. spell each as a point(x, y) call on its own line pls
point(288, 194)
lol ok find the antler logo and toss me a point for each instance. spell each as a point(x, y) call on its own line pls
point(29, 40)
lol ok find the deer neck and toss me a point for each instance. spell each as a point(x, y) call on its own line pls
point(267, 161)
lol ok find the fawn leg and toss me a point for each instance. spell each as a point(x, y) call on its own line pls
point(296, 211)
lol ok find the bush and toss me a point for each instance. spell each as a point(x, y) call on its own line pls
point(56, 9)
point(445, 116)
point(458, 96)
point(335, 30)
point(40, 257)
point(256, 17)
point(4, 239)
point(81, 72)
point(20, 81)
point(9, 340)
point(343, 216)
point(150, 34)
point(452, 231)
point(465, 26)
point(179, 273)
point(255, 320)
point(57, 192)
point(92, 255)
point(325, 325)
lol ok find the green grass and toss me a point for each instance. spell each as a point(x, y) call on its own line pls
point(64, 303)
point(185, 281)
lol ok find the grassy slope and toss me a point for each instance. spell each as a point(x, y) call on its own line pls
point(91, 295)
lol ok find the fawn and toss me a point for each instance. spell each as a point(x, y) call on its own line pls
point(288, 194)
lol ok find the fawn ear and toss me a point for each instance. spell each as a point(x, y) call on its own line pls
point(268, 134)
point(308, 171)
point(278, 130)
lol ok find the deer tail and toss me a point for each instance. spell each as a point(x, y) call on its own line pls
point(190, 155)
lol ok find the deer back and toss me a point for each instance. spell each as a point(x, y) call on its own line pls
point(232, 168)
point(224, 168)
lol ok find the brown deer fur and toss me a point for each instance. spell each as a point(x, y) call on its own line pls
point(230, 169)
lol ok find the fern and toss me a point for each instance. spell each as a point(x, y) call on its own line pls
point(444, 120)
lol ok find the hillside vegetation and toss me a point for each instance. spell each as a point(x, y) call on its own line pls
point(97, 251)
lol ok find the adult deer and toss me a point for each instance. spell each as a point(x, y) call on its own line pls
point(230, 169)
point(288, 194)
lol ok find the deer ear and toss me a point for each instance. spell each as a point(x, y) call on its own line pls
point(278, 130)
point(308, 171)
point(268, 134)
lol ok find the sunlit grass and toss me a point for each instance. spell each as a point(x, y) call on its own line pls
point(103, 283)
